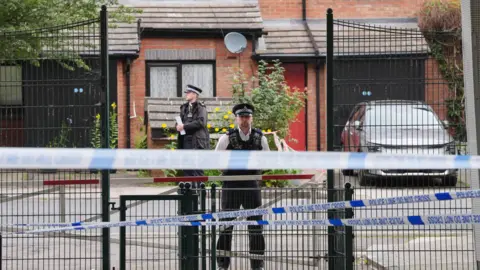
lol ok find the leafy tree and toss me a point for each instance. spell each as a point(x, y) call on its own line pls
point(27, 27)
point(276, 104)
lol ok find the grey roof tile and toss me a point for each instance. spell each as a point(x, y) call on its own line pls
point(181, 16)
point(350, 38)
point(123, 37)
point(200, 15)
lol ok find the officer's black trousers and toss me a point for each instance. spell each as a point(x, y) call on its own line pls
point(232, 199)
point(187, 144)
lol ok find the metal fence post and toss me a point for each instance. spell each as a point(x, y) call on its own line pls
point(123, 234)
point(471, 65)
point(62, 201)
point(348, 245)
point(1, 253)
point(203, 206)
point(329, 126)
point(106, 134)
point(213, 197)
point(188, 234)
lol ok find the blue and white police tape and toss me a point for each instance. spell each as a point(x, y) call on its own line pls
point(432, 197)
point(77, 158)
point(368, 222)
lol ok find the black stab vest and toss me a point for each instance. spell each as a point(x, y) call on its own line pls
point(236, 143)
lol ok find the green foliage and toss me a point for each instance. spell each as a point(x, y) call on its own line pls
point(453, 74)
point(276, 104)
point(96, 130)
point(31, 29)
point(96, 133)
point(113, 127)
point(440, 22)
point(62, 140)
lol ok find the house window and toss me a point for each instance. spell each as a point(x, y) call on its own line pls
point(11, 85)
point(168, 80)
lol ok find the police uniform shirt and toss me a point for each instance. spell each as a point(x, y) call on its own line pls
point(224, 141)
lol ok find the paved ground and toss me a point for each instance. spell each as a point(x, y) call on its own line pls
point(287, 248)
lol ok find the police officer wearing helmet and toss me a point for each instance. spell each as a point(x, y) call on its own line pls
point(242, 193)
point(194, 118)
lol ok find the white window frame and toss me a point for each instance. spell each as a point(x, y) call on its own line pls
point(11, 85)
point(180, 83)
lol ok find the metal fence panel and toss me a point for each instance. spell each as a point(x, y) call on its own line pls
point(53, 100)
point(390, 94)
point(288, 247)
point(151, 247)
point(292, 247)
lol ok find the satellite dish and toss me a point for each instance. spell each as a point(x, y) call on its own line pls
point(235, 42)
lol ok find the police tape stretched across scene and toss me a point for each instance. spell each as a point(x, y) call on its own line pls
point(81, 158)
point(439, 196)
point(367, 222)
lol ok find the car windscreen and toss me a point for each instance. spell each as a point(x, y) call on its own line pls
point(401, 116)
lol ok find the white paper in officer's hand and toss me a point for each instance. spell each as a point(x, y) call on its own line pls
point(179, 122)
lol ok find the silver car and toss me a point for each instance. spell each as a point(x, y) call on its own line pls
point(398, 127)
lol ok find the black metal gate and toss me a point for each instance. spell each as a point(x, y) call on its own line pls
point(388, 92)
point(161, 247)
point(53, 94)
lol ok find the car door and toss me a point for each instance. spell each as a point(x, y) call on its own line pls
point(354, 133)
point(347, 132)
point(357, 133)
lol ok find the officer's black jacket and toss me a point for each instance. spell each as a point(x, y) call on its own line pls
point(195, 126)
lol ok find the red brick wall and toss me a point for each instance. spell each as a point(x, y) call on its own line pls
point(121, 105)
point(224, 61)
point(323, 107)
point(311, 109)
point(277, 9)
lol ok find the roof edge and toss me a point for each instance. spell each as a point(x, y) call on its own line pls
point(193, 32)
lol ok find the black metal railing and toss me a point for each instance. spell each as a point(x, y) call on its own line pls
point(55, 97)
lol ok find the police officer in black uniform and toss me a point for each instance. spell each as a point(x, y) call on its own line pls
point(194, 118)
point(242, 193)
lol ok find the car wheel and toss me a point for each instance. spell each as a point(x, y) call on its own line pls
point(363, 179)
point(449, 181)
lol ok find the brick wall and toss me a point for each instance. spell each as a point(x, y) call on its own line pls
point(121, 105)
point(311, 109)
point(224, 61)
point(277, 9)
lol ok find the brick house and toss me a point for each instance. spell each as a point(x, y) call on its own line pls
point(176, 43)
point(181, 41)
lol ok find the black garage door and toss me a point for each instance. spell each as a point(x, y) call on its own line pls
point(365, 79)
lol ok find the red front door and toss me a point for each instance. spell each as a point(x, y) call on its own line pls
point(295, 77)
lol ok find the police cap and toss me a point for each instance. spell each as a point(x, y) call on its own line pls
point(191, 88)
point(243, 109)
